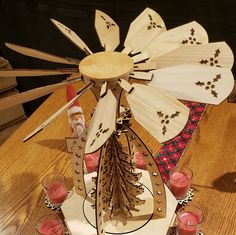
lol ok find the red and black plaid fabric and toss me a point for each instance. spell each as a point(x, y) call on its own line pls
point(171, 151)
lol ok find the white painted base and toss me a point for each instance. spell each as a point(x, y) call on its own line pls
point(80, 217)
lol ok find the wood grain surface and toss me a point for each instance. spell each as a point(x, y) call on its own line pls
point(211, 155)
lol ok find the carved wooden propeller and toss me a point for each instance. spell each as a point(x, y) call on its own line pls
point(157, 47)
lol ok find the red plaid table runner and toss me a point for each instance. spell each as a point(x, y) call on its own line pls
point(171, 151)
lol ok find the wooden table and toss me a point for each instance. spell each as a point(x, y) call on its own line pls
point(211, 155)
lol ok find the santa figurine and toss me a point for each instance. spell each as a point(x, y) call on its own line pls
point(75, 114)
point(77, 123)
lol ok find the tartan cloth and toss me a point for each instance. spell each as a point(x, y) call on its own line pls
point(171, 151)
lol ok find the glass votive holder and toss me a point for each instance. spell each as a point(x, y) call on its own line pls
point(91, 162)
point(55, 188)
point(180, 181)
point(189, 219)
point(50, 225)
point(140, 163)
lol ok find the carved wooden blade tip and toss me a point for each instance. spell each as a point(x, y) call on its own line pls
point(55, 22)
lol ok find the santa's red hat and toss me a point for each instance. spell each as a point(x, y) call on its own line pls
point(75, 107)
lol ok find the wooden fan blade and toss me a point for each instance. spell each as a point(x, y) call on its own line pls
point(32, 94)
point(145, 66)
point(187, 34)
point(103, 122)
point(63, 108)
point(140, 57)
point(72, 36)
point(35, 72)
point(107, 30)
point(40, 54)
point(147, 26)
point(195, 82)
point(141, 76)
point(160, 114)
point(216, 54)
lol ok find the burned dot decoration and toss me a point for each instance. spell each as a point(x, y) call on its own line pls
point(165, 119)
point(210, 85)
point(212, 61)
point(99, 133)
point(191, 39)
point(152, 24)
point(108, 23)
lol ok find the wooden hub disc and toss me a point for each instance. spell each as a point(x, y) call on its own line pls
point(104, 66)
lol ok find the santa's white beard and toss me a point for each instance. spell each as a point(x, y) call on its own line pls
point(78, 126)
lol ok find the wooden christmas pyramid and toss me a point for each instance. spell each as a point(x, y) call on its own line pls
point(176, 64)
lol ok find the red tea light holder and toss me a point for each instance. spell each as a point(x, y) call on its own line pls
point(180, 182)
point(189, 219)
point(55, 189)
point(50, 225)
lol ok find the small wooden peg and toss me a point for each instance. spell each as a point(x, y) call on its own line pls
point(103, 89)
point(141, 76)
point(145, 66)
point(127, 50)
point(125, 85)
point(140, 57)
